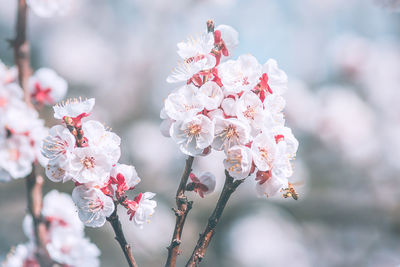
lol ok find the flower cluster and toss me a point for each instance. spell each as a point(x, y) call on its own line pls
point(87, 153)
point(21, 130)
point(233, 106)
point(66, 242)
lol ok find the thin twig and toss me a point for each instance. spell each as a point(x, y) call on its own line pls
point(120, 237)
point(183, 208)
point(205, 238)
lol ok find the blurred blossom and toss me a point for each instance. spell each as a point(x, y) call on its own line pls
point(302, 106)
point(346, 122)
point(46, 8)
point(21, 129)
point(393, 5)
point(65, 238)
point(87, 58)
point(47, 87)
point(350, 53)
point(268, 238)
point(156, 156)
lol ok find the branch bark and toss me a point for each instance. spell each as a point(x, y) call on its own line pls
point(181, 212)
point(205, 238)
point(21, 50)
point(120, 237)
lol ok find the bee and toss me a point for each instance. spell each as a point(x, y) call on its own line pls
point(290, 192)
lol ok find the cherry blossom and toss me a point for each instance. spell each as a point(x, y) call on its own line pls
point(125, 177)
point(93, 205)
point(8, 75)
point(90, 165)
point(196, 47)
point(52, 202)
point(227, 37)
point(210, 95)
point(74, 108)
point(240, 75)
point(21, 255)
point(72, 249)
point(187, 69)
point(47, 87)
point(228, 106)
point(264, 150)
point(183, 103)
point(193, 135)
point(275, 78)
point(65, 241)
point(21, 133)
point(250, 109)
point(230, 132)
point(238, 161)
point(202, 185)
point(99, 137)
point(59, 143)
point(145, 208)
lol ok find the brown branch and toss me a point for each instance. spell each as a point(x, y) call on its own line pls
point(34, 184)
point(183, 208)
point(205, 238)
point(21, 50)
point(120, 237)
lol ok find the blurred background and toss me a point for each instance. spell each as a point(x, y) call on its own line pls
point(343, 104)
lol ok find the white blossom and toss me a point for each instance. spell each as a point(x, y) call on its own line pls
point(127, 173)
point(230, 37)
point(196, 46)
point(73, 250)
point(229, 106)
point(193, 135)
point(66, 216)
point(238, 161)
point(183, 103)
point(272, 185)
point(20, 256)
point(203, 184)
point(230, 132)
point(210, 95)
point(250, 109)
point(187, 69)
point(145, 209)
point(47, 87)
point(73, 108)
point(264, 150)
point(240, 75)
point(107, 141)
point(90, 164)
point(59, 142)
point(277, 79)
point(16, 156)
point(93, 206)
